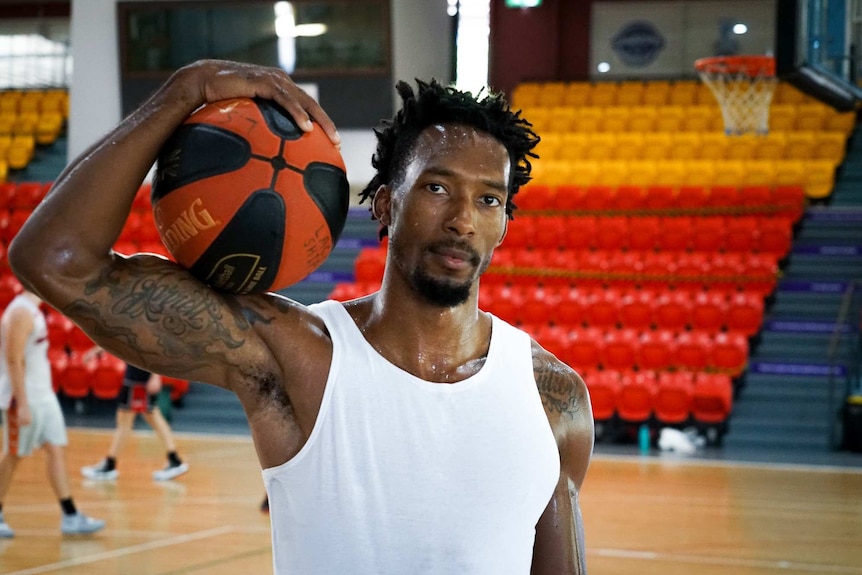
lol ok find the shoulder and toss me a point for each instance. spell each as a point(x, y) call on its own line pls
point(567, 404)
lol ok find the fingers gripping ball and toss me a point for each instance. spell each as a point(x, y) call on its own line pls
point(247, 201)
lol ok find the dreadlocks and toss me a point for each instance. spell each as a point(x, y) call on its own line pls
point(436, 104)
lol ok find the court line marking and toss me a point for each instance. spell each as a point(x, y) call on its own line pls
point(723, 561)
point(670, 461)
point(177, 540)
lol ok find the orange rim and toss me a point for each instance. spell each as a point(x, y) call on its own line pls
point(750, 65)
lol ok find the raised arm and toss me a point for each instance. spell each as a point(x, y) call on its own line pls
point(145, 309)
point(559, 548)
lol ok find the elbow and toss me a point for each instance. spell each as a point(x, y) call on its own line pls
point(46, 270)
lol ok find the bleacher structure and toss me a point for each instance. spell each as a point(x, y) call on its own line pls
point(75, 373)
point(648, 243)
point(29, 118)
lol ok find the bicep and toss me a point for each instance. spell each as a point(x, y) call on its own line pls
point(19, 326)
point(152, 313)
point(559, 546)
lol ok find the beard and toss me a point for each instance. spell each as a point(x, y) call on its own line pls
point(443, 292)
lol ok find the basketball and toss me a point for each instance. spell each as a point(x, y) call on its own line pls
point(245, 200)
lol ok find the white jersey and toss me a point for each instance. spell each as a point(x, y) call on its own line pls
point(404, 476)
point(37, 378)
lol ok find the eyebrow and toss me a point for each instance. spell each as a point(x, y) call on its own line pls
point(495, 184)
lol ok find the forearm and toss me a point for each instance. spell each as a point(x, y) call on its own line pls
point(16, 372)
point(70, 236)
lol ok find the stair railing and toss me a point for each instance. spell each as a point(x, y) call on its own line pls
point(848, 323)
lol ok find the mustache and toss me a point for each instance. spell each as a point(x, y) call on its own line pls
point(470, 254)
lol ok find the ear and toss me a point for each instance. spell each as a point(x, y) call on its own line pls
point(505, 229)
point(381, 205)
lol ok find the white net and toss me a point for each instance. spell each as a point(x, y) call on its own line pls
point(743, 86)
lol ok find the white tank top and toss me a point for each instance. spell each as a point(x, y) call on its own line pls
point(37, 372)
point(401, 476)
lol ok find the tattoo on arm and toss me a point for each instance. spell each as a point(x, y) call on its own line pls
point(559, 394)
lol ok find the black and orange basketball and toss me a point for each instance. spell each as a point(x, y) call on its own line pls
point(246, 200)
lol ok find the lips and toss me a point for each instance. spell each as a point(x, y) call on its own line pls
point(455, 256)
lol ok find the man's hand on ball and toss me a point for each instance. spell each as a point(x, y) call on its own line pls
point(220, 79)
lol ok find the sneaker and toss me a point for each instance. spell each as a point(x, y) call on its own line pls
point(99, 472)
point(80, 524)
point(170, 472)
point(5, 531)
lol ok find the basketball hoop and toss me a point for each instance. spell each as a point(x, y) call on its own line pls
point(743, 86)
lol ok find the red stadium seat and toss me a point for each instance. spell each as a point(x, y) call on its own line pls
point(612, 233)
point(9, 288)
point(693, 350)
point(537, 306)
point(755, 195)
point(629, 198)
point(75, 379)
point(569, 198)
point(692, 271)
point(549, 233)
point(709, 311)
point(656, 350)
point(604, 389)
point(77, 340)
point(673, 310)
point(636, 397)
point(657, 270)
point(709, 234)
point(620, 349)
point(660, 197)
point(745, 313)
point(775, 235)
point(724, 196)
point(730, 352)
point(519, 234)
point(790, 200)
point(692, 197)
point(108, 376)
point(712, 399)
point(673, 399)
point(676, 233)
point(585, 348)
point(636, 309)
point(644, 233)
point(535, 196)
point(59, 327)
point(602, 308)
point(741, 234)
point(580, 232)
point(570, 307)
point(369, 265)
point(554, 339)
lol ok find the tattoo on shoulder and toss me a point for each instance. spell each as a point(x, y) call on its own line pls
point(557, 388)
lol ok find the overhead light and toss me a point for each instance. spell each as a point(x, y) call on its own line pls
point(523, 3)
point(284, 28)
point(603, 67)
point(740, 29)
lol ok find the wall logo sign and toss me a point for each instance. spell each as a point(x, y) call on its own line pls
point(638, 43)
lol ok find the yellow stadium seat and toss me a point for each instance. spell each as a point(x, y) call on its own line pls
point(811, 116)
point(790, 172)
point(840, 122)
point(786, 94)
point(830, 146)
point(657, 145)
point(642, 119)
point(612, 173)
point(601, 146)
point(615, 118)
point(782, 117)
point(704, 96)
point(539, 117)
point(699, 118)
point(682, 93)
point(642, 172)
point(7, 123)
point(55, 101)
point(685, 146)
point(730, 173)
point(741, 147)
point(656, 93)
point(577, 94)
point(4, 170)
point(629, 146)
point(582, 172)
point(771, 146)
point(670, 173)
point(587, 119)
point(550, 146)
point(759, 173)
point(20, 151)
point(630, 93)
point(799, 145)
point(820, 178)
point(699, 173)
point(9, 101)
point(551, 172)
point(713, 145)
point(669, 118)
point(574, 145)
point(524, 95)
point(31, 101)
point(604, 94)
point(551, 94)
point(26, 122)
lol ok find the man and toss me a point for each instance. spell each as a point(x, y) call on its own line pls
point(404, 432)
point(32, 417)
point(139, 394)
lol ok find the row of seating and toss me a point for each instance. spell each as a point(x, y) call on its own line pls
point(45, 127)
point(759, 234)
point(670, 398)
point(26, 101)
point(589, 348)
point(568, 199)
point(802, 145)
point(102, 377)
point(633, 93)
point(816, 177)
point(640, 309)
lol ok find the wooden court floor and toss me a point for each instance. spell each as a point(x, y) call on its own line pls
point(643, 516)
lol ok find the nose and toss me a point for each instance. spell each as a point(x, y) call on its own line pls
point(461, 218)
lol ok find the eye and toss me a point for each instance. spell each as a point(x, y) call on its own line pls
point(492, 201)
point(436, 188)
